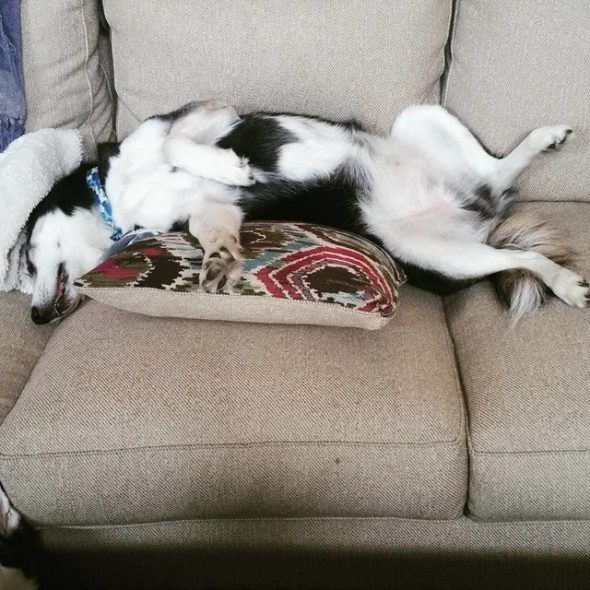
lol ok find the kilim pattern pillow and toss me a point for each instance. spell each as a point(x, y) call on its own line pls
point(294, 273)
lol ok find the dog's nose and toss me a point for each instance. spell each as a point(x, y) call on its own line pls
point(39, 317)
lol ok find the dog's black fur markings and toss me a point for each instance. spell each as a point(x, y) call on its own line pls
point(483, 203)
point(20, 548)
point(434, 281)
point(72, 191)
point(105, 151)
point(69, 193)
point(258, 138)
point(350, 123)
point(487, 205)
point(332, 202)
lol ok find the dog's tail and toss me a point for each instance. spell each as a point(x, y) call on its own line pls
point(521, 290)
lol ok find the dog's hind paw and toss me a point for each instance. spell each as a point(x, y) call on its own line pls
point(573, 289)
point(550, 138)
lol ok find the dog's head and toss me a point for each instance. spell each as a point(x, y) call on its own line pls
point(65, 239)
point(53, 265)
point(61, 247)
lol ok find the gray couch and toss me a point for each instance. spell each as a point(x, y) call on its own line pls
point(444, 450)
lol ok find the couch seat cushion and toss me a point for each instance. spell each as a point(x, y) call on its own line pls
point(528, 396)
point(21, 345)
point(520, 65)
point(342, 59)
point(129, 418)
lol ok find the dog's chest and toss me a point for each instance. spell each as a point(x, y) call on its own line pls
point(156, 199)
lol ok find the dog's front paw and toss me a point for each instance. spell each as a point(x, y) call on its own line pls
point(235, 171)
point(220, 274)
point(222, 261)
point(550, 138)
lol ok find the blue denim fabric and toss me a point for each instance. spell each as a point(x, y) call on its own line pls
point(12, 98)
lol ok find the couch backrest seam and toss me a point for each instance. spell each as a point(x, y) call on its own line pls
point(445, 78)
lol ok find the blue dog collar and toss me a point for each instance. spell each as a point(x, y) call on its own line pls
point(102, 203)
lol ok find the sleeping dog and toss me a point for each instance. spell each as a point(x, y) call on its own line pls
point(429, 193)
point(18, 549)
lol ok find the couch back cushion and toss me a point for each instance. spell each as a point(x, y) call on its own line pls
point(340, 60)
point(520, 65)
point(65, 81)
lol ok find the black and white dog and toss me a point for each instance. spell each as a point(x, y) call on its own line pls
point(429, 193)
point(18, 549)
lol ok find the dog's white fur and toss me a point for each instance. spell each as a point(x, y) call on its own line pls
point(77, 242)
point(415, 182)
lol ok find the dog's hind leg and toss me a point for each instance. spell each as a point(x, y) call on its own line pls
point(543, 139)
point(441, 140)
point(204, 122)
point(452, 156)
point(463, 260)
point(438, 138)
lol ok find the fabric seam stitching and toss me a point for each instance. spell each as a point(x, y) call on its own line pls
point(272, 519)
point(87, 123)
point(451, 54)
point(242, 446)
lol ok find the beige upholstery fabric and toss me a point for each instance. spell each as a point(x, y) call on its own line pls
point(65, 83)
point(332, 554)
point(520, 65)
point(388, 535)
point(528, 396)
point(343, 59)
point(239, 308)
point(146, 419)
point(21, 344)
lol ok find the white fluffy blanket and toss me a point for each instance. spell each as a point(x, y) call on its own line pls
point(29, 168)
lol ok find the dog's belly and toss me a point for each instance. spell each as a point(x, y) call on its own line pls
point(407, 198)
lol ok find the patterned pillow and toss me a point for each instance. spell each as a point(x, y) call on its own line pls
point(294, 273)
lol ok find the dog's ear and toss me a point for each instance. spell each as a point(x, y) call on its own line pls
point(105, 152)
